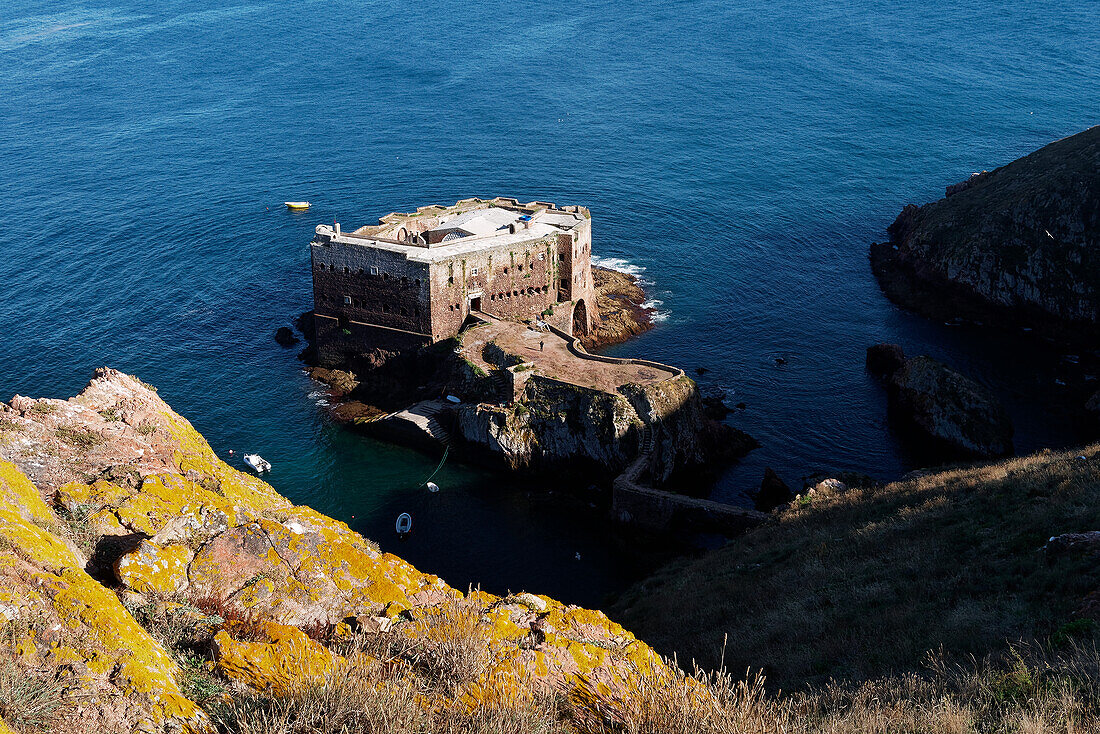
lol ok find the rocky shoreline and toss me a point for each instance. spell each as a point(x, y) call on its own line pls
point(620, 307)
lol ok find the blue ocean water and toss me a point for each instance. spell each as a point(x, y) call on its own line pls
point(740, 155)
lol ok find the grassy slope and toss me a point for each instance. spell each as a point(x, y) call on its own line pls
point(865, 582)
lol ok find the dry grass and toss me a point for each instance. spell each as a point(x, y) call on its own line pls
point(377, 698)
point(1031, 692)
point(861, 584)
point(80, 438)
point(30, 700)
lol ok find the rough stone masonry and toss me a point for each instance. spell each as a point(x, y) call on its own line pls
point(413, 279)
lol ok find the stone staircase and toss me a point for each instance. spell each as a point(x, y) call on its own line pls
point(422, 417)
point(502, 384)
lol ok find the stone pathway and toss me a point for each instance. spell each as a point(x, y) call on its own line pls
point(554, 359)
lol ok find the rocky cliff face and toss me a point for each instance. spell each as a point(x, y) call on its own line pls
point(950, 409)
point(130, 554)
point(1017, 246)
point(577, 429)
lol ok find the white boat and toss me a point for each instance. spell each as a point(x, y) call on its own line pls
point(297, 204)
point(432, 487)
point(404, 523)
point(257, 462)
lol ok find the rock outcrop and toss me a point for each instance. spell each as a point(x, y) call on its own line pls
point(773, 492)
point(955, 415)
point(575, 429)
point(1017, 246)
point(132, 517)
point(620, 308)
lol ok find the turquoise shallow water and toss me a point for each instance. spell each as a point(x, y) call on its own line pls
point(740, 157)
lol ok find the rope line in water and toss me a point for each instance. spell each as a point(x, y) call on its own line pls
point(446, 451)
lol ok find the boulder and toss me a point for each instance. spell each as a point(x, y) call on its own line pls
point(885, 359)
point(286, 337)
point(953, 411)
point(773, 492)
point(1086, 543)
point(154, 569)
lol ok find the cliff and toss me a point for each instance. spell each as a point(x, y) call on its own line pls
point(148, 586)
point(1017, 246)
point(584, 432)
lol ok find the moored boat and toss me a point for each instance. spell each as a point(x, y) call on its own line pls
point(258, 463)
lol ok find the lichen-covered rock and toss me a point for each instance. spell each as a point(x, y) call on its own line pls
point(151, 492)
point(1016, 246)
point(154, 569)
point(62, 618)
point(286, 661)
point(950, 409)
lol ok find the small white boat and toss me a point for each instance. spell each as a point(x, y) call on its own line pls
point(453, 399)
point(257, 462)
point(432, 487)
point(404, 523)
point(297, 204)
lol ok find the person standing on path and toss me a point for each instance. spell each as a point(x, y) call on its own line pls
point(541, 344)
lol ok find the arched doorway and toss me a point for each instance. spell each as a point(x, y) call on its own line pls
point(580, 318)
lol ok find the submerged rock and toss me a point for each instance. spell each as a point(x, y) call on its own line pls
point(1092, 406)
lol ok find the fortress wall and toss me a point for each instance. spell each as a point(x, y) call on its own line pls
point(338, 343)
point(394, 295)
point(514, 284)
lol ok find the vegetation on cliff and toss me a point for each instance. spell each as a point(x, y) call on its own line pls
point(855, 583)
point(150, 586)
point(1017, 246)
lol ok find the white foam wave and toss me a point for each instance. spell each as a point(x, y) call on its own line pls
point(653, 303)
point(661, 316)
point(619, 264)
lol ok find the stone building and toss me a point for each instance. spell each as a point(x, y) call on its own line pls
point(415, 278)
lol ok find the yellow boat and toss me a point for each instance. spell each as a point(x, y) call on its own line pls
point(297, 204)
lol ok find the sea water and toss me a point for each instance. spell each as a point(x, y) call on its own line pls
point(739, 156)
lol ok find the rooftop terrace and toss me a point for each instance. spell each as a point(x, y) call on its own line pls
point(435, 233)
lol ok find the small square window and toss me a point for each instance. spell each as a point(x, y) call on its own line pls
point(347, 300)
point(473, 271)
point(542, 256)
point(373, 270)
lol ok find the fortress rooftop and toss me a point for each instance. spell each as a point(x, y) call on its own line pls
point(436, 233)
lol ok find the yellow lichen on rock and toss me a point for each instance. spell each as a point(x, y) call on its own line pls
point(188, 536)
point(290, 661)
point(69, 618)
point(150, 568)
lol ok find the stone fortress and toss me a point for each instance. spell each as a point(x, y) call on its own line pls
point(415, 278)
